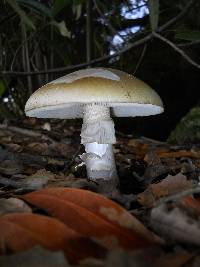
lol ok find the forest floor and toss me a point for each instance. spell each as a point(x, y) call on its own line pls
point(159, 192)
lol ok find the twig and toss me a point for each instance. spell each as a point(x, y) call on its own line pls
point(26, 132)
point(147, 139)
point(20, 130)
point(107, 57)
point(110, 27)
point(176, 197)
point(189, 44)
point(140, 58)
point(81, 65)
point(180, 51)
point(176, 18)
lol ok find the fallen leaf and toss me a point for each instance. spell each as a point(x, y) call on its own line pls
point(35, 181)
point(191, 204)
point(179, 154)
point(36, 257)
point(11, 205)
point(10, 167)
point(39, 148)
point(194, 262)
point(139, 258)
point(169, 186)
point(93, 215)
point(22, 231)
point(174, 259)
point(152, 257)
point(175, 224)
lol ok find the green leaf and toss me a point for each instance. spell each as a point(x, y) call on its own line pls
point(58, 6)
point(77, 10)
point(21, 13)
point(153, 13)
point(61, 26)
point(188, 35)
point(37, 6)
point(2, 87)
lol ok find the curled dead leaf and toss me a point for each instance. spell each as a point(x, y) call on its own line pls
point(35, 257)
point(93, 215)
point(175, 224)
point(169, 186)
point(12, 205)
point(22, 231)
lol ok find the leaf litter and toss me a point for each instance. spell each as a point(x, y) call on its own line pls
point(39, 171)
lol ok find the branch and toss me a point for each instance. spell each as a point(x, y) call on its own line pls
point(195, 42)
point(107, 57)
point(177, 49)
point(140, 59)
point(176, 18)
point(106, 21)
point(81, 65)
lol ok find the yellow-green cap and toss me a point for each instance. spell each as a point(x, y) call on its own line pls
point(64, 97)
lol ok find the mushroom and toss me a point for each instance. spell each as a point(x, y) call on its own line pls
point(95, 95)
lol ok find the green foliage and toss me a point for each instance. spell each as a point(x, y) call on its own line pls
point(36, 6)
point(27, 20)
point(188, 35)
point(54, 36)
point(59, 5)
point(188, 129)
point(61, 26)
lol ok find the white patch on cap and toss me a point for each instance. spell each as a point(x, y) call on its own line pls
point(69, 78)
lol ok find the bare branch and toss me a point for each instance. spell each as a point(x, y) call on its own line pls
point(81, 65)
point(110, 27)
point(140, 58)
point(177, 49)
point(107, 57)
point(195, 42)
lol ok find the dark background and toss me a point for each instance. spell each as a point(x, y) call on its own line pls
point(49, 35)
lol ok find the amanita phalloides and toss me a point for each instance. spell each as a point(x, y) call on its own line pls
point(96, 95)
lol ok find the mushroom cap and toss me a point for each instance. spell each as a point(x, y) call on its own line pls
point(65, 97)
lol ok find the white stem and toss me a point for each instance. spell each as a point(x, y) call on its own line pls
point(98, 135)
point(100, 162)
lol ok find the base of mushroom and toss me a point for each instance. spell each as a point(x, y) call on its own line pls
point(99, 161)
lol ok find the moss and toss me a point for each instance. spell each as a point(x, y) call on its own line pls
point(188, 129)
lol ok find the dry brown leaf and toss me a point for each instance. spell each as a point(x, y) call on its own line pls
point(153, 257)
point(179, 154)
point(175, 259)
point(35, 257)
point(35, 181)
point(175, 224)
point(11, 205)
point(169, 186)
point(93, 215)
point(39, 148)
point(62, 149)
point(191, 204)
point(138, 148)
point(22, 231)
point(10, 167)
point(194, 262)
